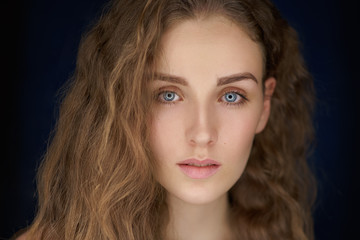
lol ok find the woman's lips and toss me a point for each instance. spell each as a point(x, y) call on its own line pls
point(197, 169)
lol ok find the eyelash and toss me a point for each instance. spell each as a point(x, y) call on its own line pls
point(240, 102)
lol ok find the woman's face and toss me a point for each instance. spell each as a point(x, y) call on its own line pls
point(209, 104)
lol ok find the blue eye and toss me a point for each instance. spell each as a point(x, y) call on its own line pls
point(168, 96)
point(231, 97)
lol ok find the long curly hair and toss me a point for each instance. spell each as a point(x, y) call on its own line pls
point(96, 180)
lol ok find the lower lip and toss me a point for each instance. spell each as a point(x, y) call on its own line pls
point(199, 172)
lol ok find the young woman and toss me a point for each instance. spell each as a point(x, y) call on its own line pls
point(186, 119)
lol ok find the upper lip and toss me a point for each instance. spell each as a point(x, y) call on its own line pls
point(193, 161)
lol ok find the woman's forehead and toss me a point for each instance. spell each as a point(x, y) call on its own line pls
point(214, 46)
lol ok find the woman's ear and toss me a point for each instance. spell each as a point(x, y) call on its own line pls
point(269, 85)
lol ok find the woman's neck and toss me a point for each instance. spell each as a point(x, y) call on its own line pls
point(207, 221)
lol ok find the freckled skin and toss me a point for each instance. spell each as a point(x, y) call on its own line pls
point(199, 123)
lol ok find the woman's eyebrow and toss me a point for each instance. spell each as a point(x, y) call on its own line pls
point(221, 81)
point(170, 78)
point(236, 77)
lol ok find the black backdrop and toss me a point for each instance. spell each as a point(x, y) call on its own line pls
point(40, 40)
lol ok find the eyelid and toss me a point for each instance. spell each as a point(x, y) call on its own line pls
point(169, 88)
point(235, 90)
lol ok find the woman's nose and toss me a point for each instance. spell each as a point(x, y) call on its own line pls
point(201, 127)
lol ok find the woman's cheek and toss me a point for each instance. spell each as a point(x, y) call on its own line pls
point(166, 128)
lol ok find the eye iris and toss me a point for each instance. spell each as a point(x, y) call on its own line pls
point(169, 96)
point(230, 97)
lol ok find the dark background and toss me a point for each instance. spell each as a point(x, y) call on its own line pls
point(39, 47)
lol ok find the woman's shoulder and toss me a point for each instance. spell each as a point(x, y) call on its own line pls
point(23, 235)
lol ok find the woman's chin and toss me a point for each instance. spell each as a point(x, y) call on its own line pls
point(197, 197)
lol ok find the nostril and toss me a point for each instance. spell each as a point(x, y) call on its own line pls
point(203, 139)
